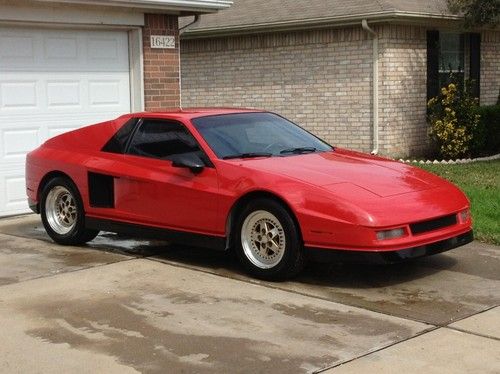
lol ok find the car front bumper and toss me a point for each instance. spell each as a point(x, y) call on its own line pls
point(388, 257)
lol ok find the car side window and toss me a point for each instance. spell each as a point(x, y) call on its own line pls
point(163, 139)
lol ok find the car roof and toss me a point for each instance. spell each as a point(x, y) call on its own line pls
point(190, 113)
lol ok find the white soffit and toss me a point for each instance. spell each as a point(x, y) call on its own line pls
point(203, 6)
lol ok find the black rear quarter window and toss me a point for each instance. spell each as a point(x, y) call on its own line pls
point(118, 143)
point(162, 139)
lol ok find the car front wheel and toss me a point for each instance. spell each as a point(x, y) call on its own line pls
point(269, 244)
point(62, 213)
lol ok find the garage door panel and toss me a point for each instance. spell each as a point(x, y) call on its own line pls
point(17, 142)
point(22, 132)
point(63, 50)
point(51, 128)
point(20, 94)
point(26, 133)
point(15, 186)
point(60, 47)
point(62, 94)
point(57, 93)
point(61, 119)
point(20, 49)
point(108, 50)
point(51, 82)
point(12, 192)
point(106, 93)
point(16, 49)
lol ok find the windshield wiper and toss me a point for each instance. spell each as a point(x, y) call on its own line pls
point(299, 150)
point(248, 155)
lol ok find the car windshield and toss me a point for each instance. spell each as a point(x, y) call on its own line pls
point(245, 135)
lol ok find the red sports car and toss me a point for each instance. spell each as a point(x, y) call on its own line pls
point(246, 180)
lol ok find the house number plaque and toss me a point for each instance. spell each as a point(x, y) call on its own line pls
point(162, 41)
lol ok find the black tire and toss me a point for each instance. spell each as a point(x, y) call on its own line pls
point(77, 234)
point(292, 260)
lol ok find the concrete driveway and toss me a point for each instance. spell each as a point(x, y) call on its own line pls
point(123, 305)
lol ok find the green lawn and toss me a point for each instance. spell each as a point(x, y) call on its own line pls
point(481, 182)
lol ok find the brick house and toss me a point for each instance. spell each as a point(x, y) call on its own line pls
point(316, 63)
point(69, 63)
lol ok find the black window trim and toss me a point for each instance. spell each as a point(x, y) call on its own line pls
point(207, 161)
point(138, 123)
point(473, 53)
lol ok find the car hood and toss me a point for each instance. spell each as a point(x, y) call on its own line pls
point(377, 175)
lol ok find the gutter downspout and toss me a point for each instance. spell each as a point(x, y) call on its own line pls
point(375, 134)
point(195, 21)
point(181, 31)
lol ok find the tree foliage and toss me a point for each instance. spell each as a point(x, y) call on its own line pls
point(477, 12)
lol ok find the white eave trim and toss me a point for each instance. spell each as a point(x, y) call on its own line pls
point(344, 20)
point(205, 6)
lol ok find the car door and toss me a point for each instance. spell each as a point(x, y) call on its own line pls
point(151, 191)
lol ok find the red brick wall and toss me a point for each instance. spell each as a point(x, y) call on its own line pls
point(161, 66)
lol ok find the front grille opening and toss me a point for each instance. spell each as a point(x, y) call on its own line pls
point(433, 224)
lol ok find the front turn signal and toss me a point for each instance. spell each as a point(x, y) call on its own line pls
point(391, 234)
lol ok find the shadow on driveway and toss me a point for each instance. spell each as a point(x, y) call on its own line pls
point(439, 289)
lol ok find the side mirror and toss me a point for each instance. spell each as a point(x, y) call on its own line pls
point(189, 161)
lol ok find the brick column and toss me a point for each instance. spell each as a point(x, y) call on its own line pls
point(161, 66)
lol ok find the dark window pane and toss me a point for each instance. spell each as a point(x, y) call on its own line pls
point(233, 134)
point(451, 58)
point(118, 143)
point(445, 60)
point(162, 139)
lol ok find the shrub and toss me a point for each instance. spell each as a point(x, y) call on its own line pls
point(453, 120)
point(489, 129)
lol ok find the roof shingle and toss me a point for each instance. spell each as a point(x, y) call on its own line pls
point(248, 13)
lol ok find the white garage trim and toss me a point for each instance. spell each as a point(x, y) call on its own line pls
point(63, 15)
point(136, 59)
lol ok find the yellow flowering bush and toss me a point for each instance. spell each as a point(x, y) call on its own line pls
point(453, 120)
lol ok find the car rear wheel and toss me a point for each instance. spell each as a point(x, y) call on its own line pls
point(268, 241)
point(62, 213)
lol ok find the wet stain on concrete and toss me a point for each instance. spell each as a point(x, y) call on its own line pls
point(7, 280)
point(354, 323)
point(30, 227)
point(22, 259)
point(119, 328)
point(408, 290)
point(152, 317)
point(364, 276)
point(438, 289)
point(419, 304)
point(189, 298)
point(37, 252)
point(138, 247)
point(480, 260)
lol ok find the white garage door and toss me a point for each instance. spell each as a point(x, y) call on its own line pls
point(52, 81)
